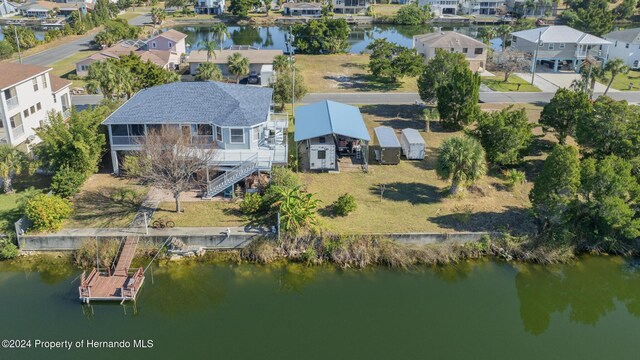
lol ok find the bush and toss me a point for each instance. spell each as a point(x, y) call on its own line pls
point(47, 212)
point(284, 178)
point(251, 204)
point(6, 50)
point(8, 250)
point(67, 182)
point(345, 204)
point(513, 177)
point(125, 195)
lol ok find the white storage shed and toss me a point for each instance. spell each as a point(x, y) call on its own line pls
point(413, 145)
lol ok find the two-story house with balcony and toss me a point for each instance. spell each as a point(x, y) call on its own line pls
point(350, 6)
point(482, 7)
point(235, 119)
point(559, 47)
point(27, 94)
point(210, 7)
point(441, 7)
point(450, 41)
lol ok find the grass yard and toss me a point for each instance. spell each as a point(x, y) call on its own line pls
point(622, 81)
point(345, 73)
point(202, 213)
point(515, 83)
point(386, 9)
point(414, 198)
point(67, 66)
point(101, 205)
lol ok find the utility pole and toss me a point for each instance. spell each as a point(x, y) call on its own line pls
point(535, 58)
point(15, 32)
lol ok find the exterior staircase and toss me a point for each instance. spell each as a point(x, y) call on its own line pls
point(232, 176)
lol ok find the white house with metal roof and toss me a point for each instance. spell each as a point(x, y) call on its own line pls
point(235, 119)
point(559, 47)
point(328, 130)
point(625, 45)
point(8, 8)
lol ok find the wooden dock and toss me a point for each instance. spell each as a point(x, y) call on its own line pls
point(116, 286)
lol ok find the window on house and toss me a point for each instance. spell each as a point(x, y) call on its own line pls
point(561, 46)
point(322, 140)
point(322, 154)
point(170, 44)
point(15, 121)
point(465, 50)
point(10, 93)
point(237, 136)
point(551, 46)
point(35, 84)
point(478, 51)
point(44, 81)
point(453, 50)
point(218, 133)
point(205, 129)
point(153, 44)
point(33, 109)
point(616, 44)
point(136, 130)
point(38, 106)
point(55, 99)
point(636, 63)
point(26, 113)
point(626, 46)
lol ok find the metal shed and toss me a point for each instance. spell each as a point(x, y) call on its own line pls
point(413, 145)
point(388, 147)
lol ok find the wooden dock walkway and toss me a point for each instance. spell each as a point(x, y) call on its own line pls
point(118, 286)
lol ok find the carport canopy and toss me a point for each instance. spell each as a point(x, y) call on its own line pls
point(329, 117)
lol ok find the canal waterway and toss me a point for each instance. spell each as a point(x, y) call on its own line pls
point(475, 310)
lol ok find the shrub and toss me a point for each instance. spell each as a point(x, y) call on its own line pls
point(345, 204)
point(514, 177)
point(47, 212)
point(8, 250)
point(67, 182)
point(125, 195)
point(284, 178)
point(251, 204)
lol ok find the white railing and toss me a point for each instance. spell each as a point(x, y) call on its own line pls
point(126, 140)
point(230, 177)
point(12, 103)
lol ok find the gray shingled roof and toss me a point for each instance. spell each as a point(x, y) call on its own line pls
point(196, 102)
point(631, 36)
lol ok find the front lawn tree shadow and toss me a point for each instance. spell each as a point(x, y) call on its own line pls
point(414, 193)
point(512, 219)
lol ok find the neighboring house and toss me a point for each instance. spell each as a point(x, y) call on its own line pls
point(475, 51)
point(328, 130)
point(8, 8)
point(258, 59)
point(482, 7)
point(625, 45)
point(41, 9)
point(559, 46)
point(302, 9)
point(165, 50)
point(536, 8)
point(236, 119)
point(27, 94)
point(350, 6)
point(441, 7)
point(210, 7)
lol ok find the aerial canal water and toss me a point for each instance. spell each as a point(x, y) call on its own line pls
point(475, 310)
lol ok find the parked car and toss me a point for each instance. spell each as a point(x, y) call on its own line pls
point(253, 78)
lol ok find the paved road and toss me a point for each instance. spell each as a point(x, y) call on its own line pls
point(58, 53)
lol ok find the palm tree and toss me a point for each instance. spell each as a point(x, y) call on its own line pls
point(220, 30)
point(281, 63)
point(210, 46)
point(208, 71)
point(487, 34)
point(238, 65)
point(461, 159)
point(503, 31)
point(12, 162)
point(615, 67)
point(158, 15)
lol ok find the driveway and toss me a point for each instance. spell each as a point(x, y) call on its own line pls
point(550, 82)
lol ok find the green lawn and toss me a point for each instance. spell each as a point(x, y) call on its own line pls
point(622, 81)
point(345, 73)
point(202, 213)
point(98, 205)
point(386, 9)
point(515, 83)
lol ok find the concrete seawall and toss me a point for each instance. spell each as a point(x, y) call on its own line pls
point(208, 238)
